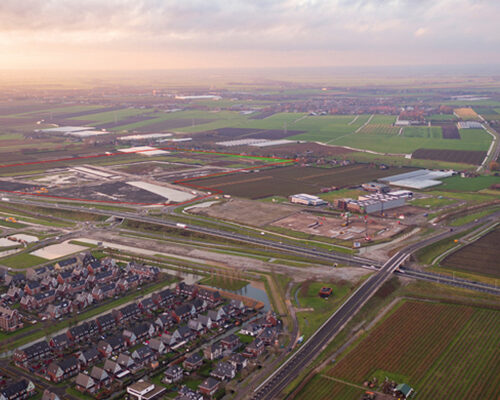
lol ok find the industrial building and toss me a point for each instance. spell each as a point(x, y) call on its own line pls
point(419, 179)
point(376, 187)
point(370, 203)
point(307, 200)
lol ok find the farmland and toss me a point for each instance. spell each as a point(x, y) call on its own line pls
point(323, 388)
point(456, 156)
point(450, 131)
point(480, 256)
point(424, 344)
point(459, 184)
point(285, 181)
point(466, 114)
point(380, 129)
point(433, 132)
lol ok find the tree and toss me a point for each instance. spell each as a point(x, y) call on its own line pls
point(494, 166)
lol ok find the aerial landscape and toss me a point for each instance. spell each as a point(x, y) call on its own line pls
point(271, 200)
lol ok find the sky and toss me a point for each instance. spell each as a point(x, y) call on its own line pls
point(198, 34)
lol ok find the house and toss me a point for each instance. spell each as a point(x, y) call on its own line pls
point(15, 293)
point(143, 355)
point(15, 280)
point(251, 330)
point(88, 357)
point(403, 391)
point(184, 333)
point(147, 305)
point(196, 326)
point(37, 274)
point(100, 376)
point(112, 367)
point(209, 387)
point(137, 333)
point(70, 262)
point(164, 321)
point(76, 287)
point(106, 322)
point(105, 291)
point(105, 277)
point(18, 390)
point(48, 395)
point(223, 371)
point(213, 351)
point(83, 300)
point(269, 336)
point(142, 270)
point(157, 346)
point(110, 345)
point(187, 394)
point(85, 384)
point(10, 320)
point(40, 300)
point(57, 310)
point(142, 390)
point(212, 297)
point(171, 339)
point(186, 290)
point(34, 352)
point(59, 342)
point(126, 313)
point(254, 349)
point(184, 311)
point(199, 305)
point(59, 371)
point(82, 332)
point(194, 361)
point(238, 361)
point(32, 288)
point(49, 282)
point(64, 277)
point(205, 321)
point(163, 298)
point(173, 374)
point(125, 361)
point(217, 316)
point(230, 342)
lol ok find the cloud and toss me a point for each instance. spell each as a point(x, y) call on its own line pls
point(354, 29)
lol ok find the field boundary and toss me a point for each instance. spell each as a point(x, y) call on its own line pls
point(279, 161)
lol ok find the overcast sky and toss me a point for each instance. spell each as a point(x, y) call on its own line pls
point(164, 34)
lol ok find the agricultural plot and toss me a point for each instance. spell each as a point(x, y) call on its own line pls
point(456, 156)
point(474, 184)
point(158, 125)
point(432, 132)
point(466, 114)
point(482, 256)
point(322, 388)
point(380, 129)
point(450, 131)
point(285, 181)
point(443, 351)
point(226, 134)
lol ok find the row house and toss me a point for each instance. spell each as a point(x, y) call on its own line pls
point(100, 377)
point(77, 286)
point(105, 277)
point(163, 298)
point(196, 326)
point(106, 322)
point(49, 282)
point(83, 300)
point(10, 320)
point(217, 316)
point(126, 361)
point(58, 371)
point(183, 312)
point(85, 384)
point(32, 287)
point(93, 267)
point(184, 333)
point(183, 289)
point(67, 263)
point(64, 277)
point(128, 283)
point(82, 332)
point(157, 346)
point(147, 305)
point(18, 390)
point(60, 342)
point(37, 274)
point(126, 313)
point(18, 280)
point(146, 271)
point(112, 367)
point(111, 345)
point(88, 357)
point(15, 293)
point(80, 272)
point(138, 333)
point(38, 300)
point(212, 297)
point(106, 291)
point(164, 321)
point(143, 355)
point(199, 304)
point(34, 352)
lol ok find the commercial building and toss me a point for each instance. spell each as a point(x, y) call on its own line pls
point(307, 200)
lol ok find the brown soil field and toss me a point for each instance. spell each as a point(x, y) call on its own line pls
point(255, 213)
point(450, 131)
point(458, 156)
point(224, 134)
point(171, 124)
point(285, 181)
point(482, 256)
point(263, 115)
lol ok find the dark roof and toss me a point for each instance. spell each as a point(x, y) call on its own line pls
point(194, 358)
point(33, 284)
point(37, 348)
point(143, 352)
point(103, 275)
point(60, 339)
point(106, 319)
point(15, 388)
point(90, 353)
point(44, 295)
point(183, 309)
point(66, 274)
point(209, 383)
point(115, 341)
point(69, 261)
point(68, 362)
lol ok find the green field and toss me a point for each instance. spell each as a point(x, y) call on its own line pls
point(433, 132)
point(456, 183)
point(22, 261)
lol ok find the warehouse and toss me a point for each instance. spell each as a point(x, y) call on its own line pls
point(307, 200)
point(370, 203)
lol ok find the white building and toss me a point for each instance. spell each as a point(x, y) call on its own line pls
point(307, 200)
point(145, 391)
